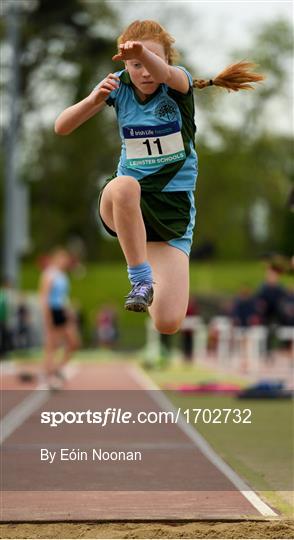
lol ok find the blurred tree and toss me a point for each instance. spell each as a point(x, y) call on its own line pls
point(232, 180)
point(272, 50)
point(66, 50)
point(249, 166)
point(248, 114)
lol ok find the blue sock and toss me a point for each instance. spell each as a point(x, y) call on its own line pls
point(141, 272)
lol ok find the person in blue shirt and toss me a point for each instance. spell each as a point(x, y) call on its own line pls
point(148, 203)
point(59, 324)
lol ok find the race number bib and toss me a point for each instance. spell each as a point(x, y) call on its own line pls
point(149, 146)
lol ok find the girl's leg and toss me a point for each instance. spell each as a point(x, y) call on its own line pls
point(120, 210)
point(71, 340)
point(170, 268)
point(50, 347)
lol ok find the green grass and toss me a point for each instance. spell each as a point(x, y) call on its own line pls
point(191, 374)
point(108, 284)
point(260, 452)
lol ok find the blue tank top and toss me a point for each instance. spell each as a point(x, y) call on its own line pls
point(59, 289)
point(157, 135)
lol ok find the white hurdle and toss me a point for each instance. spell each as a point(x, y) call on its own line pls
point(196, 325)
point(249, 344)
point(223, 327)
point(234, 345)
point(193, 323)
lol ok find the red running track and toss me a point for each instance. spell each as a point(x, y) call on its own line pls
point(225, 502)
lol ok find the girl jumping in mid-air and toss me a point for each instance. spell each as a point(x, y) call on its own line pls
point(148, 203)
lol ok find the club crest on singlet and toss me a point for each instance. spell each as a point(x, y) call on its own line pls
point(151, 146)
point(166, 109)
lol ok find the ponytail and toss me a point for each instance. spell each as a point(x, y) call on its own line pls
point(235, 77)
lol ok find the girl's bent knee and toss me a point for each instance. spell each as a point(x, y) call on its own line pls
point(125, 189)
point(127, 182)
point(169, 326)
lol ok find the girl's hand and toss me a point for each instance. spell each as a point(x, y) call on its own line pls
point(110, 83)
point(129, 50)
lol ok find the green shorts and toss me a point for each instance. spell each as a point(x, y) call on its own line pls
point(169, 216)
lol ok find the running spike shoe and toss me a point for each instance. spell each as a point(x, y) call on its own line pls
point(140, 297)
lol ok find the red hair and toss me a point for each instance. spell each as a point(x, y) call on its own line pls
point(143, 30)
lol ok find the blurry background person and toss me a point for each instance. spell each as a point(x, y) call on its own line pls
point(106, 327)
point(270, 298)
point(59, 326)
point(244, 315)
point(287, 308)
point(76, 313)
point(244, 310)
point(286, 343)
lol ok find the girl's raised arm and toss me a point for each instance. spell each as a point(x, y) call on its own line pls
point(160, 71)
point(74, 116)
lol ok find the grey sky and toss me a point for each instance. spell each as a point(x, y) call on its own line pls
point(207, 30)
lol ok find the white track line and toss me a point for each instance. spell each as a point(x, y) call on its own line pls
point(21, 412)
point(143, 380)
